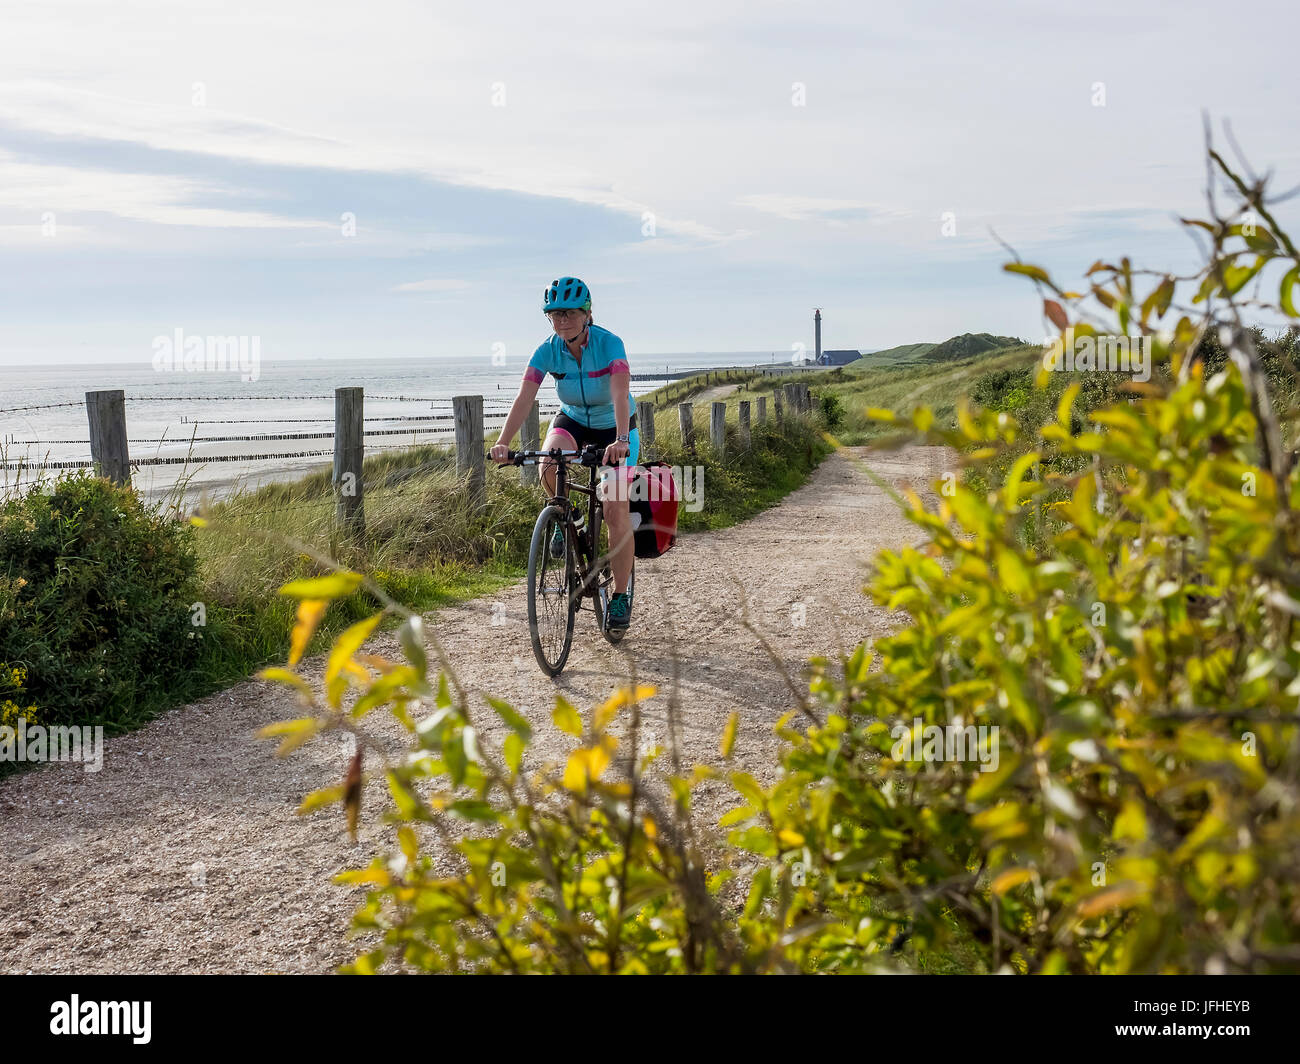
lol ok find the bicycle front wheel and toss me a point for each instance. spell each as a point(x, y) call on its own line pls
point(551, 604)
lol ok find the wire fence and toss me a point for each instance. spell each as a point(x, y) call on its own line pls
point(422, 424)
point(242, 399)
point(421, 430)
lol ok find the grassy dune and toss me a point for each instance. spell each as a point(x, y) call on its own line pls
point(900, 388)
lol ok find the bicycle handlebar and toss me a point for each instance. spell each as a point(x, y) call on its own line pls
point(590, 455)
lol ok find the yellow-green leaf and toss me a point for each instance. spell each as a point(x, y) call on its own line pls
point(408, 806)
point(1066, 404)
point(1289, 282)
point(748, 786)
point(987, 783)
point(1124, 894)
point(294, 732)
point(729, 733)
point(333, 586)
point(318, 799)
point(514, 751)
point(1131, 823)
point(348, 644)
point(587, 763)
point(1011, 878)
point(411, 636)
point(605, 713)
point(566, 718)
point(1011, 490)
point(511, 716)
point(277, 675)
point(1024, 268)
point(310, 611)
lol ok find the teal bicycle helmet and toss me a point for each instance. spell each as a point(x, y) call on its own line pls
point(567, 293)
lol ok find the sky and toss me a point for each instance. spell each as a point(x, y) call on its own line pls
point(402, 179)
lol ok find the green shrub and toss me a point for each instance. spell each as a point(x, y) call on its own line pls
point(95, 596)
point(832, 411)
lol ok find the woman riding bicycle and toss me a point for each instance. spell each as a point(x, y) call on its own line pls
point(592, 380)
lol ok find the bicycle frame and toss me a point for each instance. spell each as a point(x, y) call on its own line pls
point(586, 544)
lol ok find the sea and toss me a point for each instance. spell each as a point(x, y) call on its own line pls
point(194, 432)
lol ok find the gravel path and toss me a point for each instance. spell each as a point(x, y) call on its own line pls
point(184, 855)
point(718, 391)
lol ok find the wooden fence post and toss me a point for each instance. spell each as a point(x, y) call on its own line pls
point(743, 418)
point(718, 429)
point(106, 412)
point(686, 418)
point(529, 441)
point(776, 404)
point(468, 413)
point(349, 456)
point(762, 409)
point(645, 424)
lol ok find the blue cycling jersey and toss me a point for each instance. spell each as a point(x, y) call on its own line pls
point(583, 389)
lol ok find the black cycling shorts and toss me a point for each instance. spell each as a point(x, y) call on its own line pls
point(583, 435)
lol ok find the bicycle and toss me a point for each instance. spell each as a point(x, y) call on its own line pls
point(557, 587)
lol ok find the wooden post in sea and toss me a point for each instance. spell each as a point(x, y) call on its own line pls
point(106, 412)
point(645, 424)
point(762, 409)
point(686, 419)
point(718, 429)
point(467, 411)
point(349, 456)
point(743, 418)
point(528, 441)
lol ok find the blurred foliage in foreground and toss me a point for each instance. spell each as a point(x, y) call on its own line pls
point(1138, 655)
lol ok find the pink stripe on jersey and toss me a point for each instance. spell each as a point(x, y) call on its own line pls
point(619, 365)
point(535, 375)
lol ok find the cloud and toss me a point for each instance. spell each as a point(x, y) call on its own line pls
point(810, 208)
point(156, 198)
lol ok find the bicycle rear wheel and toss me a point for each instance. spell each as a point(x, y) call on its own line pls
point(551, 603)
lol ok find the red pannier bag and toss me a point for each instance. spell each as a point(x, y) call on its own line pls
point(652, 502)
